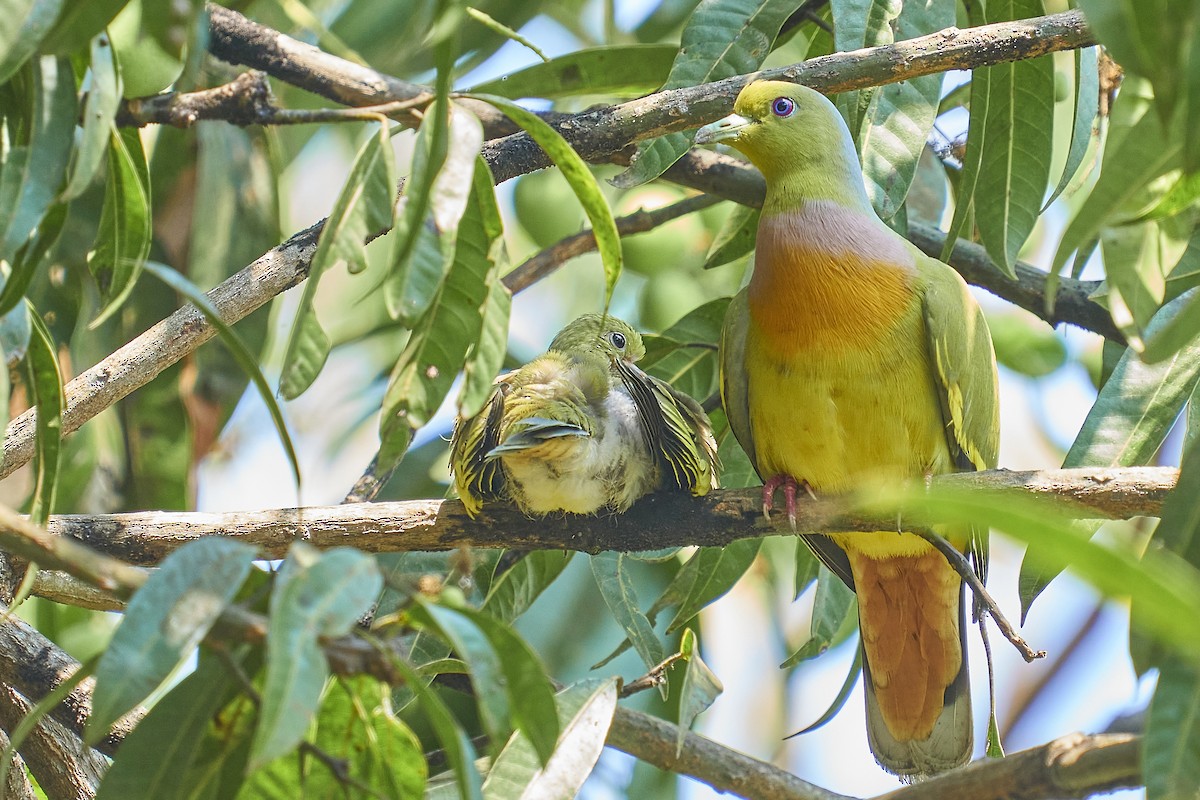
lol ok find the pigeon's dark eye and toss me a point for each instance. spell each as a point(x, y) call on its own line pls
point(617, 339)
point(783, 106)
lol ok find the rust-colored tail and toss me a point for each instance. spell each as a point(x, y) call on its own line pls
point(918, 693)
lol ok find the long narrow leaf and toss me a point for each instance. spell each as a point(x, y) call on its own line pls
point(240, 353)
point(583, 183)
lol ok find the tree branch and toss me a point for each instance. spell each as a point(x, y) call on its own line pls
point(1073, 766)
point(654, 741)
point(662, 520)
point(247, 100)
point(238, 40)
point(597, 134)
point(65, 768)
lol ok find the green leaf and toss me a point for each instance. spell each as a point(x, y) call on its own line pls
point(1177, 332)
point(508, 679)
point(1025, 344)
point(1018, 134)
point(363, 207)
point(691, 366)
point(805, 571)
point(163, 754)
point(45, 380)
point(18, 43)
point(512, 594)
point(736, 237)
point(961, 225)
point(99, 111)
point(708, 575)
point(78, 23)
point(460, 753)
point(618, 70)
point(616, 587)
point(164, 622)
point(700, 688)
point(316, 595)
point(722, 38)
point(29, 258)
point(380, 756)
point(1132, 414)
point(1171, 751)
point(834, 609)
point(438, 346)
point(487, 354)
point(1136, 157)
point(901, 115)
point(435, 200)
point(240, 353)
point(840, 699)
point(40, 106)
point(147, 67)
point(123, 240)
point(583, 183)
point(1086, 110)
point(1137, 258)
point(585, 712)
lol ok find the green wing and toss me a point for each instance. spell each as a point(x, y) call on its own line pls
point(676, 429)
point(477, 477)
point(734, 388)
point(964, 366)
point(960, 350)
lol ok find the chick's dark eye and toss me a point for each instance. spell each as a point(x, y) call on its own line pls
point(617, 339)
point(783, 106)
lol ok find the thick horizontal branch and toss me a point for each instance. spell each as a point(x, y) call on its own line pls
point(600, 133)
point(654, 741)
point(1074, 766)
point(663, 520)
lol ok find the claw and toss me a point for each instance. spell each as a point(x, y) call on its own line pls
point(791, 488)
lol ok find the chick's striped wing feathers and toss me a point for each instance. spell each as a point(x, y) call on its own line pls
point(476, 477)
point(676, 431)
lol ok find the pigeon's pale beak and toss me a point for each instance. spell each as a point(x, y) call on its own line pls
point(723, 129)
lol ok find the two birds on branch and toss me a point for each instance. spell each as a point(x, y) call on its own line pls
point(851, 356)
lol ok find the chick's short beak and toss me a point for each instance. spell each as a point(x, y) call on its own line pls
point(723, 129)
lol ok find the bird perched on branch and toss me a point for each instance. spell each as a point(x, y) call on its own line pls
point(582, 429)
point(851, 357)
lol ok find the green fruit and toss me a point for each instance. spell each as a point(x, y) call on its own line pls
point(547, 207)
point(146, 68)
point(667, 297)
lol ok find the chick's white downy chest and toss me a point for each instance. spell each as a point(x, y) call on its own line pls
point(610, 469)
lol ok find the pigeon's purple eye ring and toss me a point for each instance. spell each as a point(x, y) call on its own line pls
point(783, 106)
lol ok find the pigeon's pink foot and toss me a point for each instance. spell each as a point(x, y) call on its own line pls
point(790, 489)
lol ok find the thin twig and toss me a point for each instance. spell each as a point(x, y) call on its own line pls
point(652, 679)
point(547, 261)
point(989, 604)
point(247, 100)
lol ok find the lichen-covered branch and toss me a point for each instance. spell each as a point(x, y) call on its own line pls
point(1073, 766)
point(663, 520)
